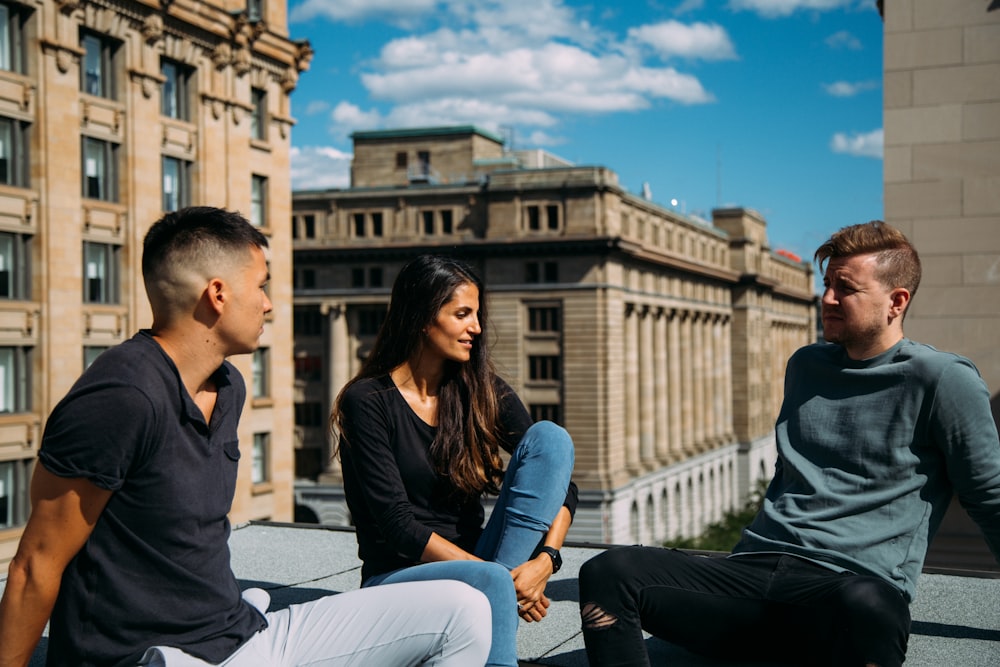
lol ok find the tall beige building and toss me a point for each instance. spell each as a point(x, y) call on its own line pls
point(942, 184)
point(110, 114)
point(657, 339)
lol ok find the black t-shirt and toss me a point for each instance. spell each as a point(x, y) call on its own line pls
point(155, 570)
point(395, 496)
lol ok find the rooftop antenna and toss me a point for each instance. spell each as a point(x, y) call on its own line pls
point(507, 131)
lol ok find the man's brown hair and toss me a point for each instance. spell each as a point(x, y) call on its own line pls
point(898, 262)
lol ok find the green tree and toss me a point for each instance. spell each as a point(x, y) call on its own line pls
point(725, 533)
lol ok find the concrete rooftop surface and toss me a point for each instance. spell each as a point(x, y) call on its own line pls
point(956, 618)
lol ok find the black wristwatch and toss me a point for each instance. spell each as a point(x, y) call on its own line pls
point(554, 555)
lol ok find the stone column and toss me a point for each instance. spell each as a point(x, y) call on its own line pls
point(687, 385)
point(699, 375)
point(661, 380)
point(647, 391)
point(631, 375)
point(676, 389)
point(337, 372)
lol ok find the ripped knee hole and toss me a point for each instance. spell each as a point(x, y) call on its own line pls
point(595, 618)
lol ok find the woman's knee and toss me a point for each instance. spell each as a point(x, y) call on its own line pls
point(556, 441)
point(493, 579)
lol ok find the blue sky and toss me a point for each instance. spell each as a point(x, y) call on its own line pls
point(775, 105)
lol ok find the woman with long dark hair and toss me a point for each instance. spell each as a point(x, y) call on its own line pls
point(420, 432)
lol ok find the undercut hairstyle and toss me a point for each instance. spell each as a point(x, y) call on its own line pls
point(897, 262)
point(189, 245)
point(466, 448)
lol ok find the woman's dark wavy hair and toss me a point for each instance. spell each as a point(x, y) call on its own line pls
point(466, 448)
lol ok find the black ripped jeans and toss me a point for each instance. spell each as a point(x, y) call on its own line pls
point(759, 607)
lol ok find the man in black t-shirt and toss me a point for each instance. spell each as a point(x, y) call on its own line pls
point(127, 549)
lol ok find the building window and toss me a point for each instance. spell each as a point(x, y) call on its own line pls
point(309, 414)
point(368, 224)
point(13, 19)
point(261, 388)
point(371, 276)
point(423, 165)
point(544, 368)
point(15, 477)
point(97, 76)
point(100, 265)
point(15, 379)
point(176, 183)
point(255, 10)
point(261, 464)
point(258, 118)
point(541, 218)
point(90, 354)
point(541, 272)
point(370, 320)
point(307, 322)
point(401, 160)
point(304, 279)
point(15, 140)
point(438, 222)
point(258, 201)
point(308, 368)
point(304, 226)
point(175, 93)
point(15, 266)
point(100, 169)
point(544, 319)
point(546, 412)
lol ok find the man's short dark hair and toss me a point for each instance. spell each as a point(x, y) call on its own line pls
point(188, 234)
point(898, 262)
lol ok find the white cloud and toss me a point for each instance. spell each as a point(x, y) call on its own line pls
point(349, 117)
point(688, 6)
point(708, 41)
point(777, 8)
point(864, 144)
point(319, 168)
point(843, 40)
point(848, 88)
point(523, 63)
point(316, 107)
point(358, 10)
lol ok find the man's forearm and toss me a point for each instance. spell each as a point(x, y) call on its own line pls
point(24, 610)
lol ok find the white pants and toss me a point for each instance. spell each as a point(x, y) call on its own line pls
point(440, 623)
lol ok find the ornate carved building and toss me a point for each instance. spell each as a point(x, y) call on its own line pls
point(657, 339)
point(110, 114)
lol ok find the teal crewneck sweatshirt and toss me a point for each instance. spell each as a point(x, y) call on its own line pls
point(869, 455)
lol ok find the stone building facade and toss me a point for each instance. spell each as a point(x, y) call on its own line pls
point(110, 114)
point(942, 188)
point(657, 339)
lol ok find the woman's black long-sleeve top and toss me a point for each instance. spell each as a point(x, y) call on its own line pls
point(395, 496)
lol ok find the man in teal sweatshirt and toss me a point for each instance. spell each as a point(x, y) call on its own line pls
point(875, 436)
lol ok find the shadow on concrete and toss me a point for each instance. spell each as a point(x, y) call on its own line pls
point(953, 631)
point(283, 595)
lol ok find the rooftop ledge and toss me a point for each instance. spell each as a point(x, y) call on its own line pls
point(956, 616)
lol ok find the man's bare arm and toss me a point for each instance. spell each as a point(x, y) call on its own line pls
point(63, 514)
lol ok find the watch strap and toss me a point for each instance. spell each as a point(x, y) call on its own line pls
point(554, 554)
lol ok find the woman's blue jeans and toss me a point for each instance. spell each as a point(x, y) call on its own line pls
point(534, 489)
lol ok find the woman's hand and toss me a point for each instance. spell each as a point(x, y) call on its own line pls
point(529, 584)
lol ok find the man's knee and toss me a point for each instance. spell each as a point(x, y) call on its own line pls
point(875, 622)
point(602, 585)
point(873, 601)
